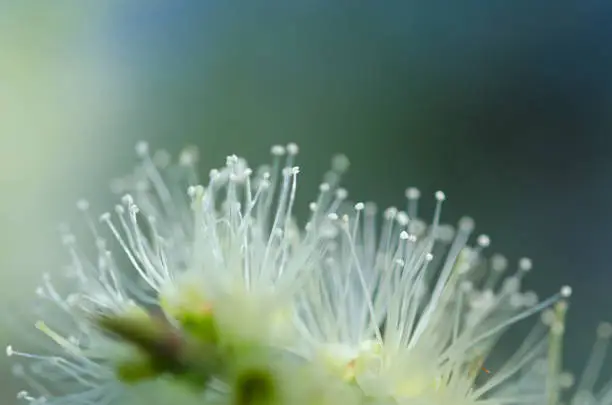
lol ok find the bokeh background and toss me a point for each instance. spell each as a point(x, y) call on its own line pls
point(503, 105)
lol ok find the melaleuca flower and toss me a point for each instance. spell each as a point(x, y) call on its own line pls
point(215, 288)
point(187, 266)
point(230, 247)
point(441, 302)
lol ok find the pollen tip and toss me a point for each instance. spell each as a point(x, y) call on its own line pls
point(566, 291)
point(484, 240)
point(440, 196)
point(525, 264)
point(413, 193)
point(127, 199)
point(188, 156)
point(82, 204)
point(340, 163)
point(402, 218)
point(161, 159)
point(466, 224)
point(277, 150)
point(292, 149)
point(341, 193)
point(142, 148)
point(604, 330)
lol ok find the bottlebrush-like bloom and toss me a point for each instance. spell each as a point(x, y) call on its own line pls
point(286, 315)
point(230, 248)
point(442, 303)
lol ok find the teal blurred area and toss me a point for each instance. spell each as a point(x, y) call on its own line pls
point(503, 105)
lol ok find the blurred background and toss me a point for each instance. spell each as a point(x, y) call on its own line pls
point(503, 105)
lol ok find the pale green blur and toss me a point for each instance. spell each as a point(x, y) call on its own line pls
point(58, 93)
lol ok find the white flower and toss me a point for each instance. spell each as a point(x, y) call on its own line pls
point(405, 314)
point(442, 303)
point(230, 248)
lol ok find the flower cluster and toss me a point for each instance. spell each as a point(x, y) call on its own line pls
point(216, 289)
